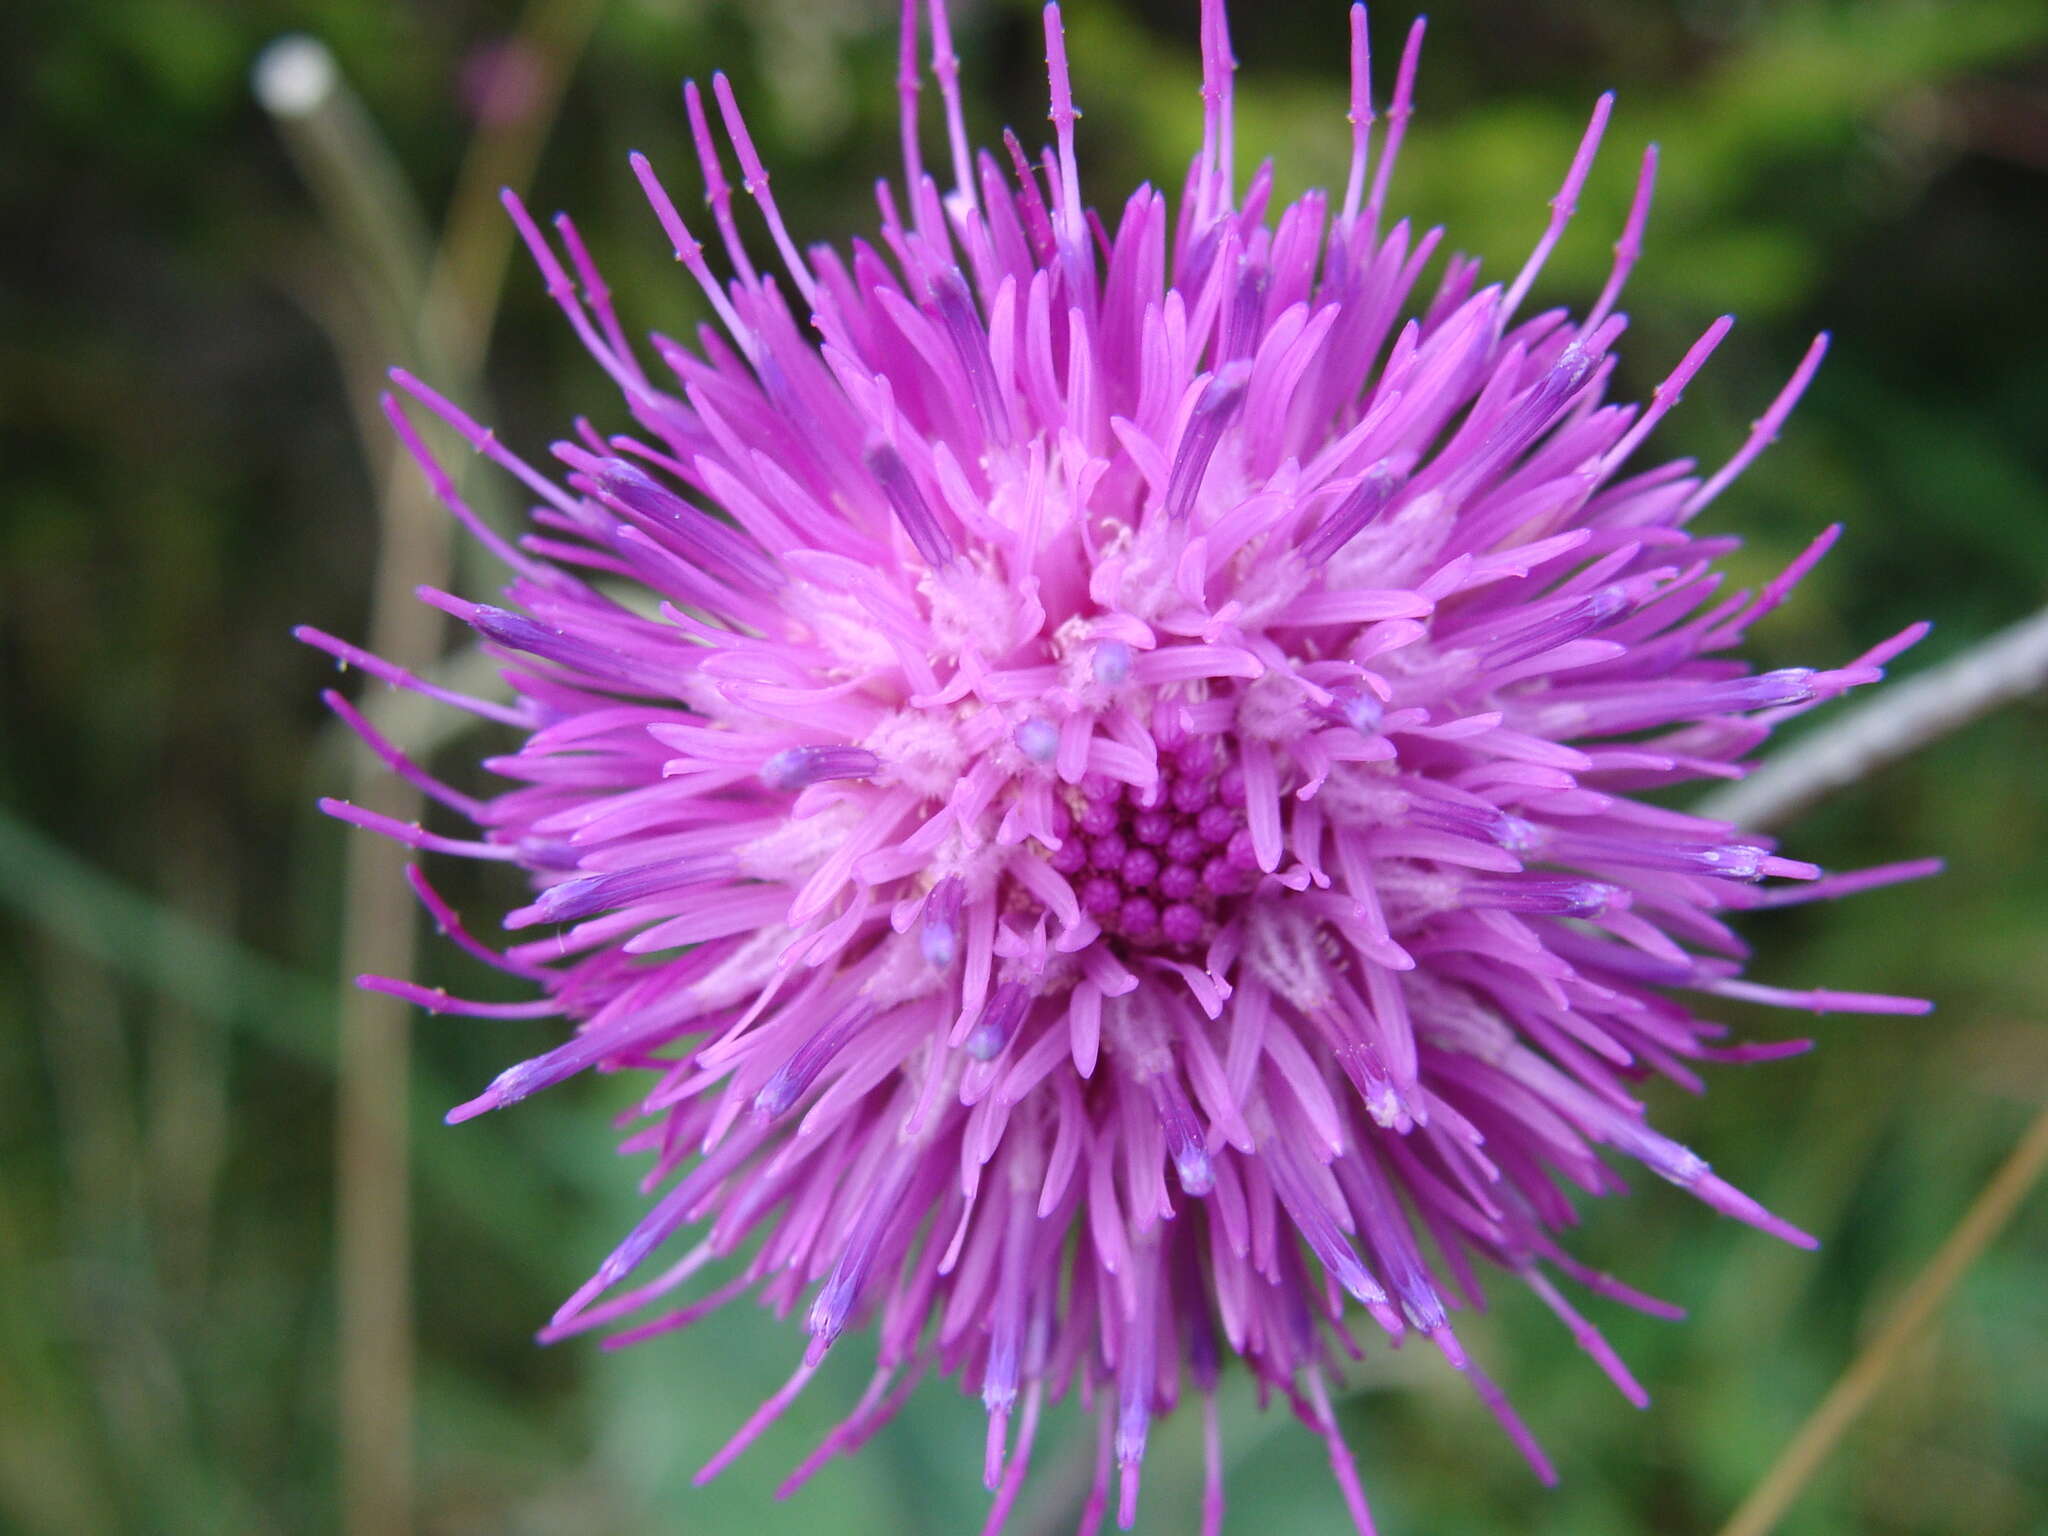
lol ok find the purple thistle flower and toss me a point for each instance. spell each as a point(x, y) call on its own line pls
point(1092, 768)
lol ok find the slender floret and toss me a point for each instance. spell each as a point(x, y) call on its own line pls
point(1092, 767)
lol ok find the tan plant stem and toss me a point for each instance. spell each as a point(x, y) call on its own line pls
point(454, 304)
point(1852, 1392)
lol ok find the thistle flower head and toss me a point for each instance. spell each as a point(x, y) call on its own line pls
point(1091, 764)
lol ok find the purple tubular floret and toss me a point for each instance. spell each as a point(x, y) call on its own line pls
point(1730, 861)
point(626, 488)
point(908, 502)
point(970, 343)
point(801, 767)
point(840, 1293)
point(1247, 307)
point(795, 1076)
point(574, 900)
point(1344, 522)
point(1545, 895)
point(1567, 624)
point(517, 632)
point(1214, 410)
point(1184, 1141)
point(999, 1019)
point(940, 937)
point(1540, 407)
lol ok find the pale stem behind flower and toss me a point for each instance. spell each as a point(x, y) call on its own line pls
point(1896, 723)
point(1852, 1392)
point(2009, 665)
point(447, 312)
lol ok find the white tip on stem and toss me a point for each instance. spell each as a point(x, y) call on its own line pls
point(295, 76)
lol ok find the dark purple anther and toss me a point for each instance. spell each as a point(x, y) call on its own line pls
point(1343, 523)
point(1731, 861)
point(1663, 700)
point(909, 505)
point(636, 490)
point(1788, 685)
point(627, 489)
point(1247, 309)
point(940, 938)
point(1178, 882)
point(1546, 895)
point(970, 343)
point(800, 767)
point(1201, 255)
point(1483, 822)
point(811, 1058)
point(1000, 1017)
point(1559, 628)
point(519, 633)
point(1540, 406)
point(1030, 204)
point(574, 900)
point(1536, 413)
point(1214, 825)
point(1230, 787)
point(1213, 412)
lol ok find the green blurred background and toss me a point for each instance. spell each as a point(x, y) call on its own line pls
point(187, 338)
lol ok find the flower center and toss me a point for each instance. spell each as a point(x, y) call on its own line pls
point(1154, 866)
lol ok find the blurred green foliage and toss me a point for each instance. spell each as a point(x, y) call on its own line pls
point(182, 483)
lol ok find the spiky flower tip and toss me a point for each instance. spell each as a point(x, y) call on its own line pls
point(1094, 772)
